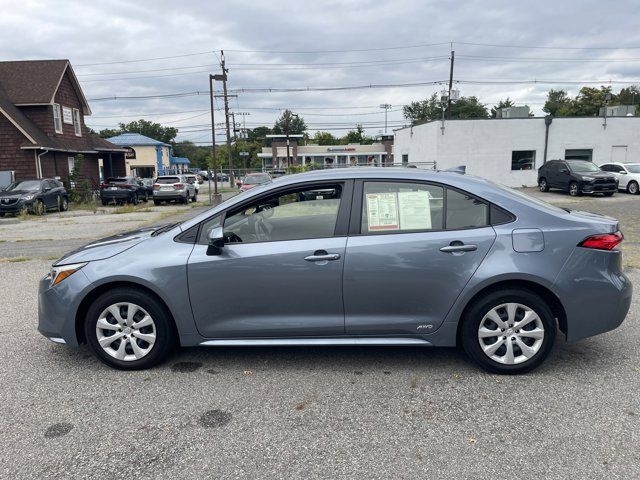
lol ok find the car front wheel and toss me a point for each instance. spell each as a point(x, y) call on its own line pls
point(632, 188)
point(574, 190)
point(508, 332)
point(129, 329)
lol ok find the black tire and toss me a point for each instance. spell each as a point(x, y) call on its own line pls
point(39, 208)
point(195, 197)
point(574, 189)
point(543, 185)
point(134, 199)
point(477, 311)
point(632, 188)
point(608, 194)
point(64, 204)
point(156, 202)
point(105, 203)
point(146, 198)
point(1, 214)
point(166, 337)
point(185, 200)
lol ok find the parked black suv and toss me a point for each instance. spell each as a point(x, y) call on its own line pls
point(123, 189)
point(35, 196)
point(576, 177)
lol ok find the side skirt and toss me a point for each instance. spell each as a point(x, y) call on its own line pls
point(274, 342)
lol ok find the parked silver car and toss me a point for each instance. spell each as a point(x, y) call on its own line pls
point(173, 188)
point(348, 257)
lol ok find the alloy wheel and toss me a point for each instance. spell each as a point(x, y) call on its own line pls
point(543, 185)
point(511, 333)
point(573, 189)
point(633, 188)
point(126, 332)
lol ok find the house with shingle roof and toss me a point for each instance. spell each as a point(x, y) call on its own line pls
point(42, 127)
point(147, 157)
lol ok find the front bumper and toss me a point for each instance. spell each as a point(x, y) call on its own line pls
point(57, 307)
point(16, 207)
point(599, 187)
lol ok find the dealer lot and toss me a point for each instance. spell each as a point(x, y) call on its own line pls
point(315, 412)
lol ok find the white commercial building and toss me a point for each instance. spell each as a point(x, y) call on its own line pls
point(509, 151)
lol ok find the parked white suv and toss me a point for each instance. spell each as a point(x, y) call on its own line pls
point(191, 178)
point(628, 175)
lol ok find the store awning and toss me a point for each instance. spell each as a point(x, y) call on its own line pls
point(179, 161)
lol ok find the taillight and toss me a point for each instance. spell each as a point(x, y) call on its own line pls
point(178, 186)
point(156, 186)
point(605, 241)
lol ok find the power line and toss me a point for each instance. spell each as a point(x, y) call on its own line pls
point(144, 59)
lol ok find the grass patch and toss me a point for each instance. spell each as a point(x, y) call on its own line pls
point(17, 259)
point(90, 206)
point(130, 208)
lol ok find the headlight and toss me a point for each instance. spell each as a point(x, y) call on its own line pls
point(588, 179)
point(28, 197)
point(59, 273)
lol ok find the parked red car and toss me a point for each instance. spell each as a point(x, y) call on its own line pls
point(254, 179)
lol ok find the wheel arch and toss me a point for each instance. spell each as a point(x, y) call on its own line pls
point(543, 292)
point(90, 297)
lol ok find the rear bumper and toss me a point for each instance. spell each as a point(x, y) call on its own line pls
point(170, 195)
point(594, 291)
point(57, 307)
point(116, 194)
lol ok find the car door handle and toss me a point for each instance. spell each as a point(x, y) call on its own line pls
point(459, 248)
point(322, 256)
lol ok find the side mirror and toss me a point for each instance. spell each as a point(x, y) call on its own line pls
point(46, 189)
point(216, 241)
point(622, 172)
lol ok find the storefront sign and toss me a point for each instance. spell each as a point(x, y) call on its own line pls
point(130, 154)
point(341, 149)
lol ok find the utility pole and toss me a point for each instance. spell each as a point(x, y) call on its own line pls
point(216, 195)
point(226, 114)
point(453, 56)
point(386, 107)
point(288, 116)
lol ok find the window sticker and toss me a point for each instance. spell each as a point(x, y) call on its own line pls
point(382, 211)
point(415, 210)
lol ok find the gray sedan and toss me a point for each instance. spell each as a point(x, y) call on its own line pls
point(348, 257)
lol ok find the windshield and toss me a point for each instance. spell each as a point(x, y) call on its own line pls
point(633, 167)
point(28, 185)
point(582, 166)
point(255, 179)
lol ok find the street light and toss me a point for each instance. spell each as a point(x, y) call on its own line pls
point(386, 107)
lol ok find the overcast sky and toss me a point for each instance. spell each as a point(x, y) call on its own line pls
point(274, 44)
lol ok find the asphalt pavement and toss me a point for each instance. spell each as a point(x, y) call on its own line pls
point(312, 412)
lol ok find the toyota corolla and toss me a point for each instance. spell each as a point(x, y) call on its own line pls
point(371, 256)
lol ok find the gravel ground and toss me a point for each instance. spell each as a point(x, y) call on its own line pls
point(314, 412)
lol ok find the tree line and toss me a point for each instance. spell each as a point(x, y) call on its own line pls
point(587, 102)
point(250, 141)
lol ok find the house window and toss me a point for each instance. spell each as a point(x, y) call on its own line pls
point(405, 158)
point(72, 164)
point(77, 125)
point(523, 160)
point(579, 154)
point(57, 118)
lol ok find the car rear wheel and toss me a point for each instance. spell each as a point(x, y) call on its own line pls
point(129, 330)
point(156, 202)
point(632, 188)
point(509, 331)
point(63, 204)
point(574, 191)
point(542, 184)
